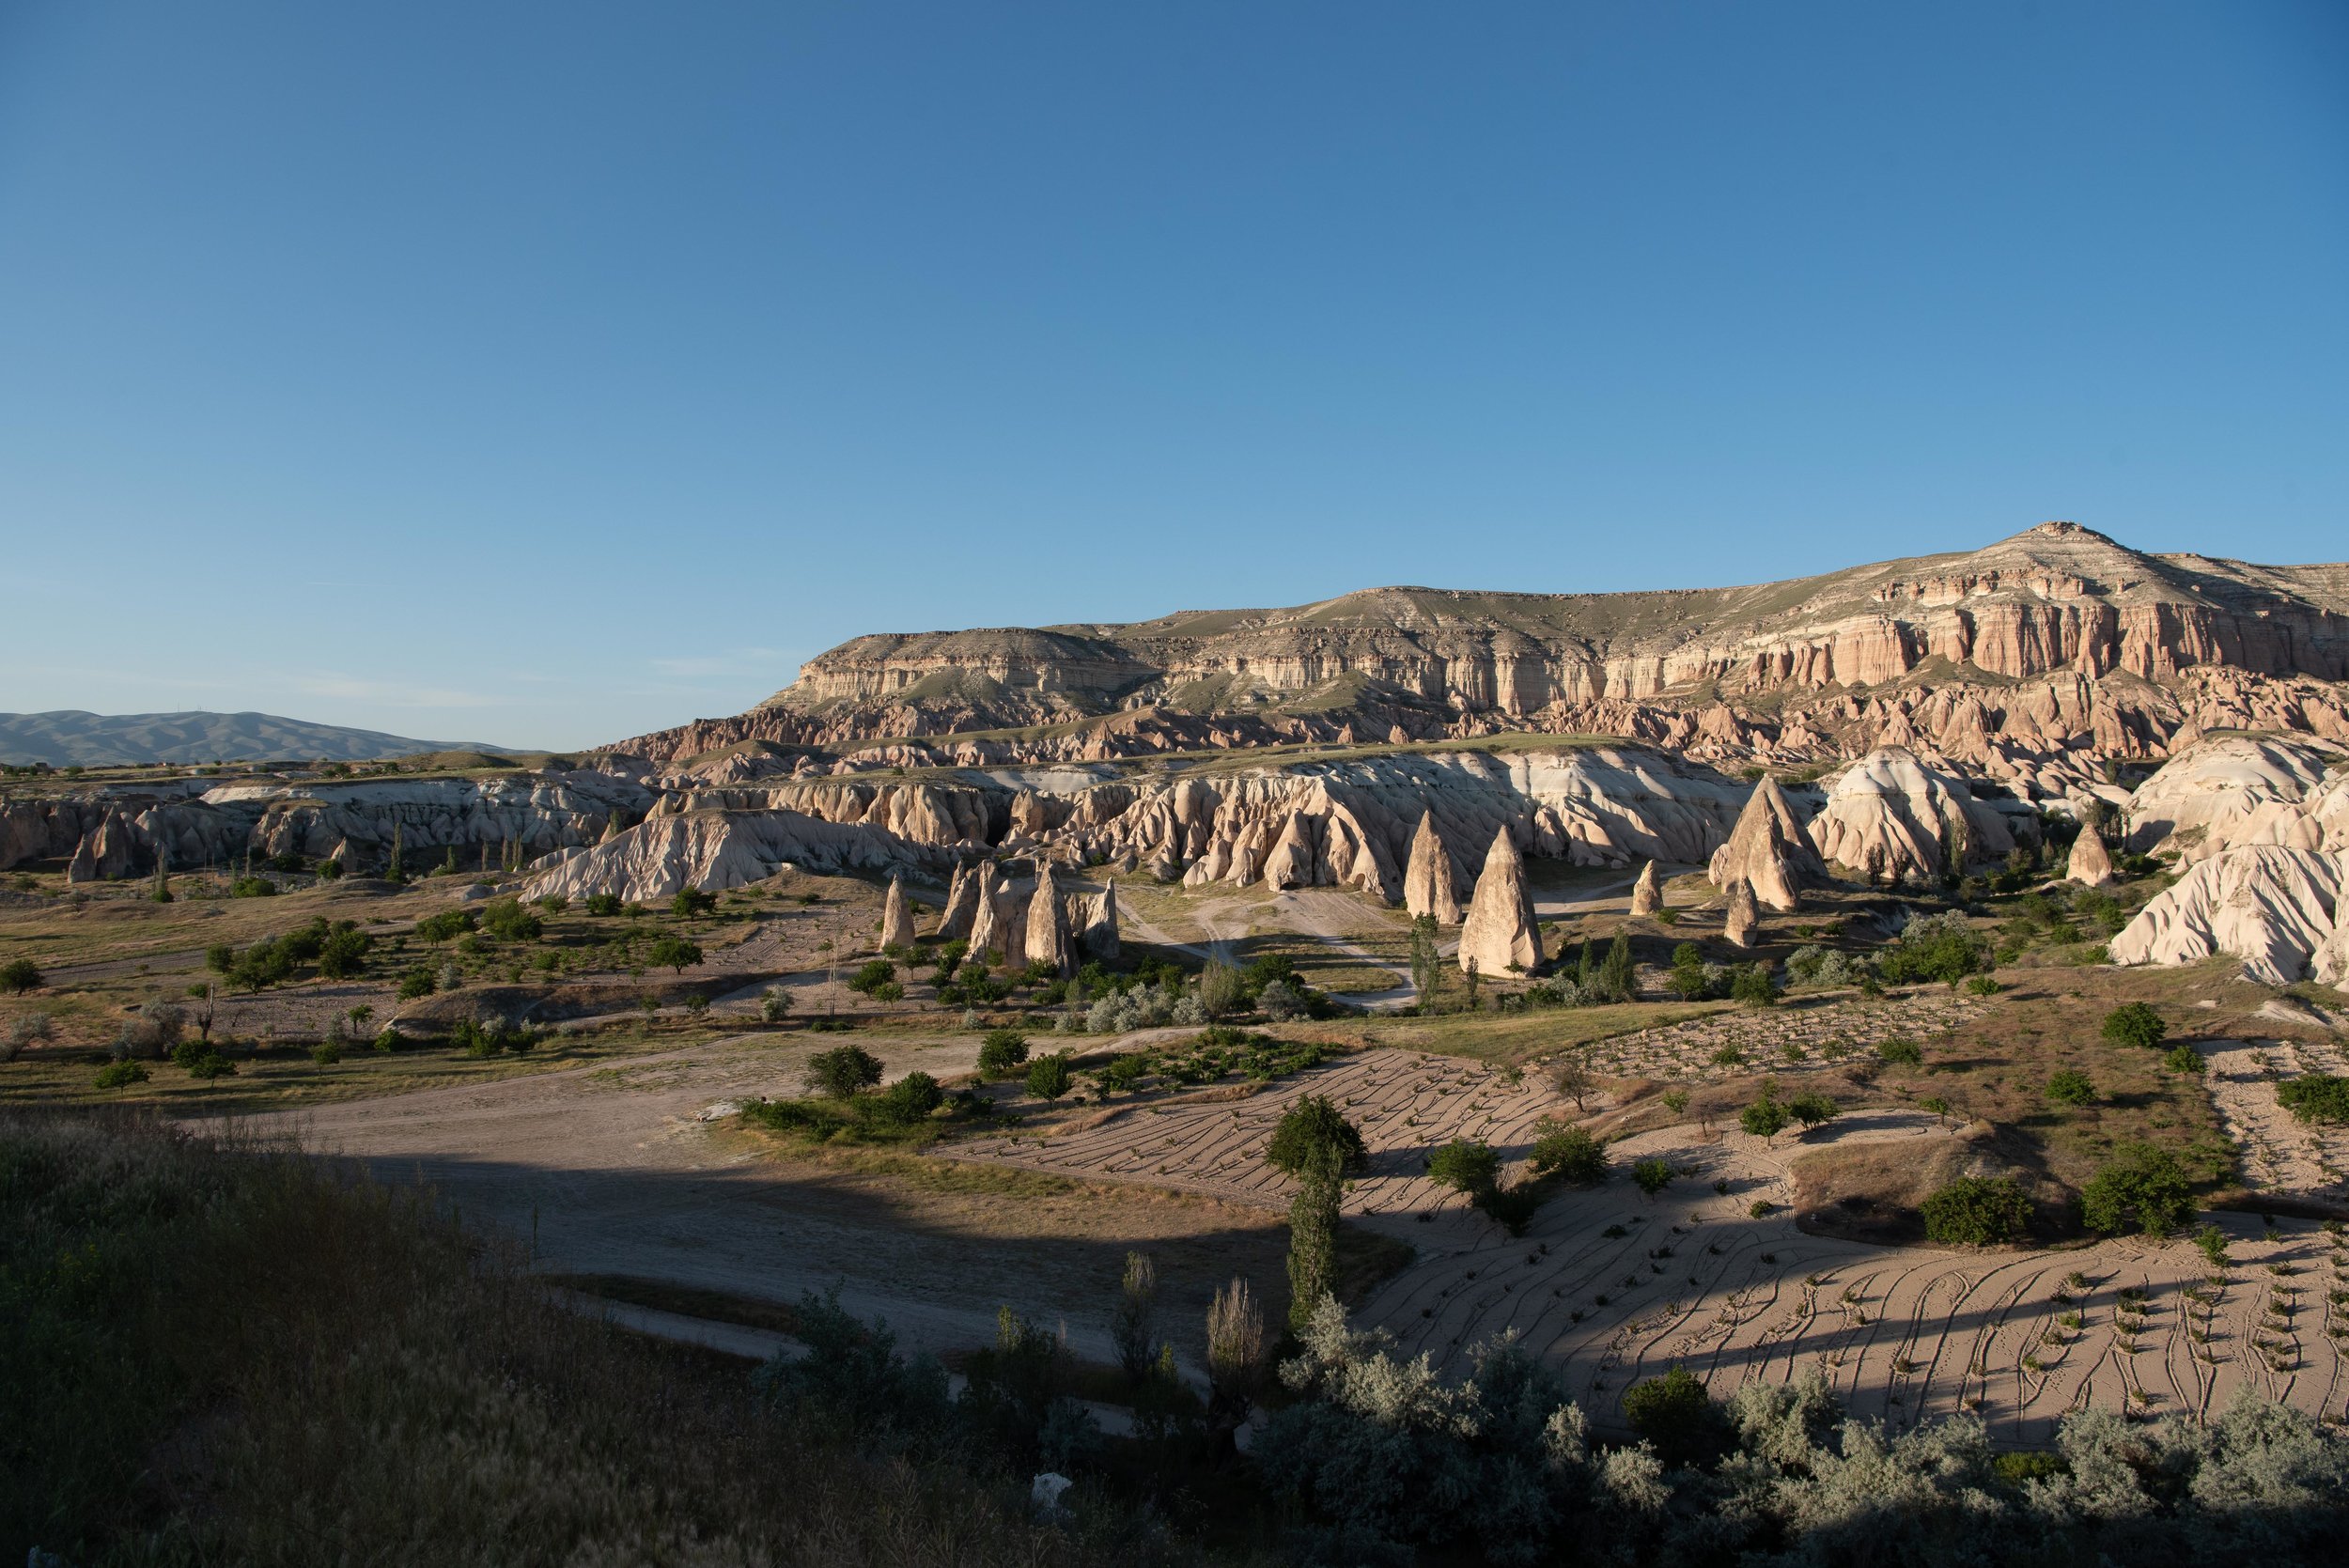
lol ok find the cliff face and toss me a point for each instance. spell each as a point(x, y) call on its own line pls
point(2059, 604)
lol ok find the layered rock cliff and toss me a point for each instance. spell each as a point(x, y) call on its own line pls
point(2008, 658)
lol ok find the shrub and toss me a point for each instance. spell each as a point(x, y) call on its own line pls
point(1810, 1108)
point(875, 973)
point(774, 1004)
point(2135, 1024)
point(1568, 1153)
point(1221, 989)
point(2070, 1087)
point(504, 919)
point(2142, 1182)
point(18, 975)
point(1464, 1166)
point(1754, 986)
point(1002, 1050)
point(1981, 985)
point(1676, 1414)
point(120, 1074)
point(1652, 1175)
point(1314, 1133)
point(1763, 1118)
point(2187, 1062)
point(1943, 947)
point(252, 887)
point(1977, 1211)
point(842, 1071)
point(1902, 1053)
point(330, 870)
point(344, 954)
point(689, 902)
point(1049, 1077)
point(327, 1052)
point(416, 981)
point(2315, 1097)
point(25, 1029)
point(602, 903)
point(445, 926)
point(677, 954)
point(909, 1099)
point(1282, 1000)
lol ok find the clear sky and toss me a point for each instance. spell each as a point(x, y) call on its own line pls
point(542, 374)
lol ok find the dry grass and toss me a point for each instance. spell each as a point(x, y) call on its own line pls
point(236, 1357)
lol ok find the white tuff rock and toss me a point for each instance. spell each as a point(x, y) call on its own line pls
point(1500, 932)
point(896, 916)
point(1428, 886)
point(2090, 864)
point(1647, 894)
point(1744, 917)
point(1769, 850)
point(2277, 909)
point(1889, 818)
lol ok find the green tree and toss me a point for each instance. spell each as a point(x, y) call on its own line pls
point(1426, 961)
point(506, 921)
point(2070, 1087)
point(1315, 1144)
point(344, 954)
point(2184, 1061)
point(1464, 1165)
point(1765, 1118)
point(1675, 1415)
point(1652, 1174)
point(2141, 1183)
point(1049, 1077)
point(910, 1099)
point(1221, 990)
point(1569, 1152)
point(1614, 980)
point(1977, 1211)
point(842, 1071)
point(675, 953)
point(18, 975)
point(689, 902)
point(2135, 1024)
point(1001, 1052)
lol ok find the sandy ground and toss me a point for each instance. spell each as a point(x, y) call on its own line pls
point(1903, 1333)
point(2281, 1154)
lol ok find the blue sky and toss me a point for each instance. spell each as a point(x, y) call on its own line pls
point(544, 374)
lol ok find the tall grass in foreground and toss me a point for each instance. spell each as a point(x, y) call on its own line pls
point(234, 1354)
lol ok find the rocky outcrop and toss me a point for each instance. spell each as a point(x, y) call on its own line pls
point(1048, 924)
point(2277, 909)
point(1889, 818)
point(1428, 886)
point(2058, 603)
point(1743, 917)
point(1501, 935)
point(2090, 864)
point(962, 904)
point(896, 916)
point(719, 849)
point(1647, 894)
point(1769, 850)
point(2233, 792)
point(1097, 937)
point(990, 932)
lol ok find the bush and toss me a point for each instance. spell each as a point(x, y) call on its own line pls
point(330, 870)
point(2070, 1087)
point(2143, 1183)
point(1676, 1414)
point(1313, 1132)
point(445, 926)
point(1568, 1153)
point(25, 1029)
point(1943, 947)
point(1902, 1053)
point(1282, 1000)
point(1752, 986)
point(842, 1071)
point(601, 904)
point(327, 1052)
point(2135, 1024)
point(689, 902)
point(1810, 1108)
point(1002, 1050)
point(1652, 1175)
point(875, 974)
point(909, 1099)
point(1049, 1077)
point(673, 953)
point(18, 975)
point(504, 919)
point(1978, 1211)
point(1763, 1118)
point(774, 1004)
point(2314, 1096)
point(415, 981)
point(252, 887)
point(120, 1074)
point(344, 955)
point(2187, 1062)
point(1464, 1166)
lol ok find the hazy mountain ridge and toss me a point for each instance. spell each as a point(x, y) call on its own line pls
point(71, 737)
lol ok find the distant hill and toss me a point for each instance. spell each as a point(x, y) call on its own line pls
point(70, 736)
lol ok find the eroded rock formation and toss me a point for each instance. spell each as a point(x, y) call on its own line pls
point(2090, 864)
point(1500, 936)
point(2277, 909)
point(896, 916)
point(1769, 851)
point(1742, 917)
point(1647, 894)
point(1889, 818)
point(1428, 886)
point(2233, 792)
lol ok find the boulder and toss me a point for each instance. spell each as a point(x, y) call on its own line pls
point(1500, 934)
point(896, 916)
point(1744, 916)
point(2277, 909)
point(1427, 888)
point(2091, 865)
point(1047, 926)
point(1647, 894)
point(1099, 936)
point(1890, 818)
point(1769, 850)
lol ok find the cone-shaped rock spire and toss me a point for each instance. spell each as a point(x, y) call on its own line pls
point(1500, 932)
point(1047, 929)
point(1769, 850)
point(1427, 888)
point(896, 916)
point(1647, 894)
point(1744, 917)
point(2090, 864)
